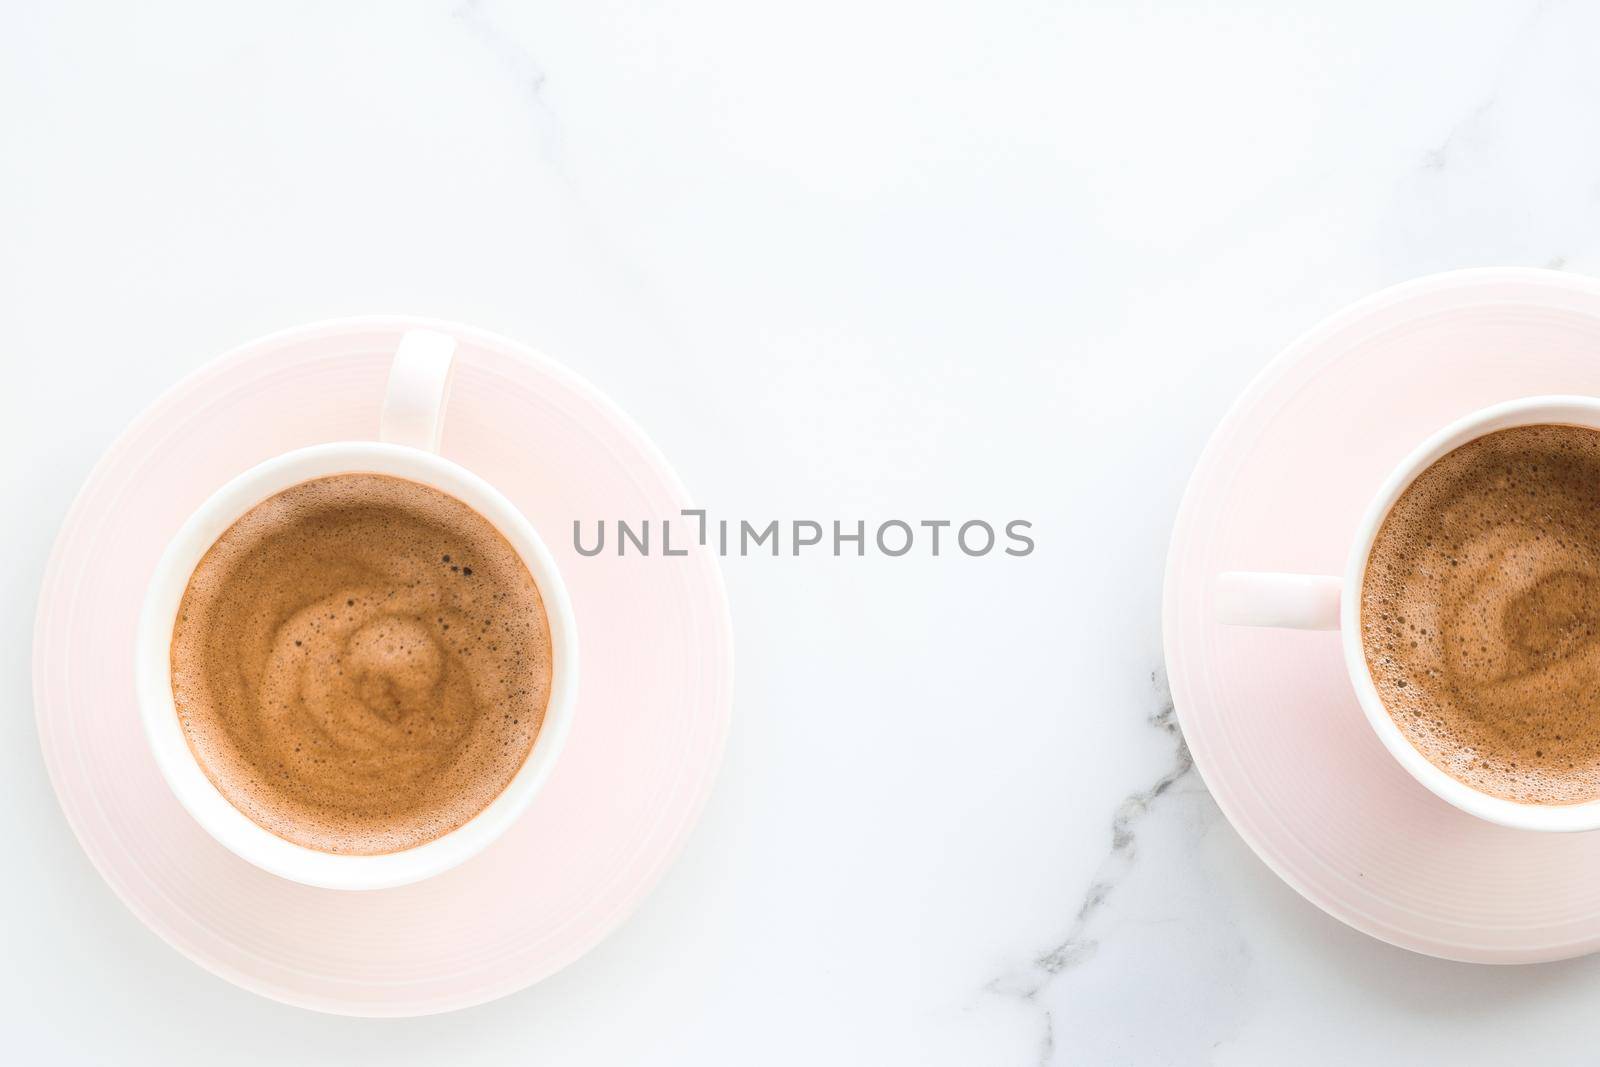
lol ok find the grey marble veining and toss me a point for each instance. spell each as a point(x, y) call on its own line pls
point(1079, 944)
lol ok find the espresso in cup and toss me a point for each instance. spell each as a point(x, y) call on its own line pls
point(1480, 614)
point(361, 663)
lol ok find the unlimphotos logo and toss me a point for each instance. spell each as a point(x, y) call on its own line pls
point(776, 537)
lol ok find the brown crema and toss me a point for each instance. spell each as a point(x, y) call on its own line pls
point(361, 663)
point(1480, 614)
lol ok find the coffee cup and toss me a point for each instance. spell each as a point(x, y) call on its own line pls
point(1326, 602)
point(407, 448)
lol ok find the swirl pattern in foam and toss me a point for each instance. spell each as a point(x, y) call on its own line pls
point(1480, 614)
point(361, 663)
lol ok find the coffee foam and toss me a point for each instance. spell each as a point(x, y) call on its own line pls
point(1480, 614)
point(361, 663)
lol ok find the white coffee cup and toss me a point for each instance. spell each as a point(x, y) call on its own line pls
point(409, 430)
point(1317, 602)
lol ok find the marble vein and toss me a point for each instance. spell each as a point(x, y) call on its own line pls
point(1080, 942)
point(517, 63)
point(1471, 132)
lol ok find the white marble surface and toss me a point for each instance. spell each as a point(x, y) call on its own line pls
point(839, 259)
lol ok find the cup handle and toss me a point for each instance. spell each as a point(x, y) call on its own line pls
point(1295, 601)
point(419, 386)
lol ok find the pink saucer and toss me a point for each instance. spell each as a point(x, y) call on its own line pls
point(651, 721)
point(1270, 715)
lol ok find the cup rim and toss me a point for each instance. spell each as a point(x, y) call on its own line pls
point(1570, 410)
point(158, 711)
